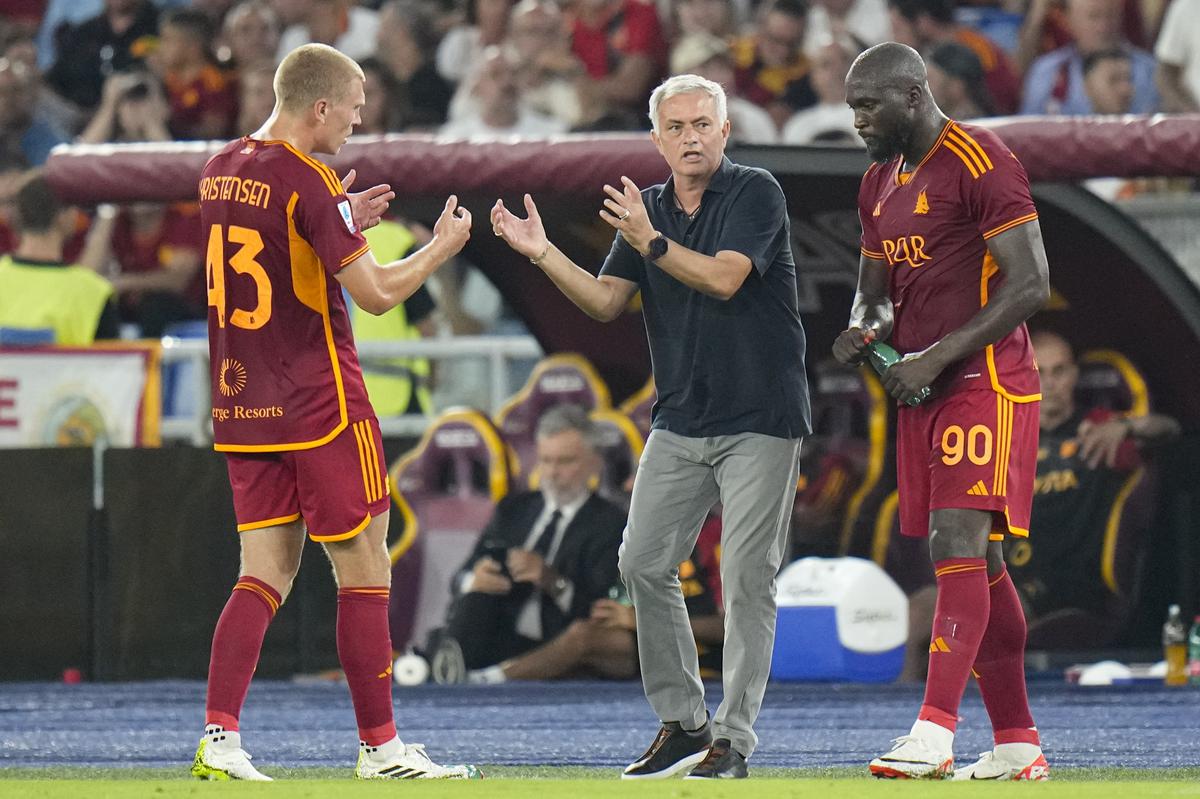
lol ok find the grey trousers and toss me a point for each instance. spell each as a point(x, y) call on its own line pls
point(677, 482)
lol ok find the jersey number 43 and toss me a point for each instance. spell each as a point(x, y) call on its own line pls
point(243, 263)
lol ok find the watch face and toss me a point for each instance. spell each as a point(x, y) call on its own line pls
point(658, 248)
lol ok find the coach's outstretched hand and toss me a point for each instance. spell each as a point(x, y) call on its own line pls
point(526, 236)
point(367, 206)
point(453, 226)
point(626, 212)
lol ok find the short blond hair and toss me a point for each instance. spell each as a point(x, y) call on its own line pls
point(313, 72)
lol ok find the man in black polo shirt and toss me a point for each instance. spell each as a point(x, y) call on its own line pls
point(710, 252)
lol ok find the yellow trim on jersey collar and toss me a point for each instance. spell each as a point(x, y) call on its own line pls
point(900, 161)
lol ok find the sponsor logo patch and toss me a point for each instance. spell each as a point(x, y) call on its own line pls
point(347, 216)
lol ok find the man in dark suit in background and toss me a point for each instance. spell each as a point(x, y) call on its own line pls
point(543, 560)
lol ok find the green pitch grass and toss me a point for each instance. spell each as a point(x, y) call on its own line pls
point(588, 783)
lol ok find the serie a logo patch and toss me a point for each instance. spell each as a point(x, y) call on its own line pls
point(347, 216)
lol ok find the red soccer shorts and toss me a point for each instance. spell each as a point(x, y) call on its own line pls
point(337, 488)
point(972, 449)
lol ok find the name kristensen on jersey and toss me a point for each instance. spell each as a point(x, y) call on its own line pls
point(238, 190)
point(242, 412)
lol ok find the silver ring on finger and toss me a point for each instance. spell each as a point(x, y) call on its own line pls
point(624, 216)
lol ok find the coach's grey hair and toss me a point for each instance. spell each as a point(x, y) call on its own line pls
point(562, 418)
point(683, 84)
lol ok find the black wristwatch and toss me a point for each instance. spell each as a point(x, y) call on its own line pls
point(657, 248)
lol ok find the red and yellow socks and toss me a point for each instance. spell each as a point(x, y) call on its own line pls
point(365, 650)
point(1000, 665)
point(237, 642)
point(959, 622)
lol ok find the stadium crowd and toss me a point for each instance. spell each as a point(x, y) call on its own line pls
point(134, 70)
point(95, 71)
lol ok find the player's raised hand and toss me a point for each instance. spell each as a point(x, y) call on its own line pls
point(453, 226)
point(850, 347)
point(368, 206)
point(625, 211)
point(527, 236)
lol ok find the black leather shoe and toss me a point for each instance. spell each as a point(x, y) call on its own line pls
point(722, 762)
point(674, 750)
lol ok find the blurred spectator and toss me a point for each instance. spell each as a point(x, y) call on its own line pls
point(550, 75)
point(202, 98)
point(115, 41)
point(38, 290)
point(771, 69)
point(544, 560)
point(622, 47)
point(405, 45)
point(1046, 27)
point(343, 24)
point(461, 47)
point(1054, 84)
point(853, 23)
point(256, 98)
point(1108, 81)
point(921, 24)
point(381, 113)
point(250, 36)
point(605, 643)
point(957, 82)
point(62, 15)
point(132, 109)
point(715, 17)
point(156, 264)
point(830, 114)
point(1178, 53)
point(708, 56)
point(1083, 457)
point(215, 10)
point(291, 12)
point(397, 385)
point(497, 108)
point(13, 167)
point(23, 125)
point(60, 114)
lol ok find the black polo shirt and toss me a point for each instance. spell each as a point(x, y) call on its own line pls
point(724, 367)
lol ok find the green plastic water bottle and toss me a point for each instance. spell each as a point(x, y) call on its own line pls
point(882, 356)
point(1194, 653)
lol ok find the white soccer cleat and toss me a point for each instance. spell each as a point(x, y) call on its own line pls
point(925, 753)
point(1016, 761)
point(395, 760)
point(220, 756)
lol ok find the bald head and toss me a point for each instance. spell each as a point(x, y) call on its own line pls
point(894, 112)
point(889, 65)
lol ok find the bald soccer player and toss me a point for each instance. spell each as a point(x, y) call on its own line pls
point(952, 265)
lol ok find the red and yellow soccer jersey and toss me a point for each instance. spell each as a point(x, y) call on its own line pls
point(277, 228)
point(931, 226)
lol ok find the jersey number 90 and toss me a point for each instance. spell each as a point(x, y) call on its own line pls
point(975, 445)
point(243, 263)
